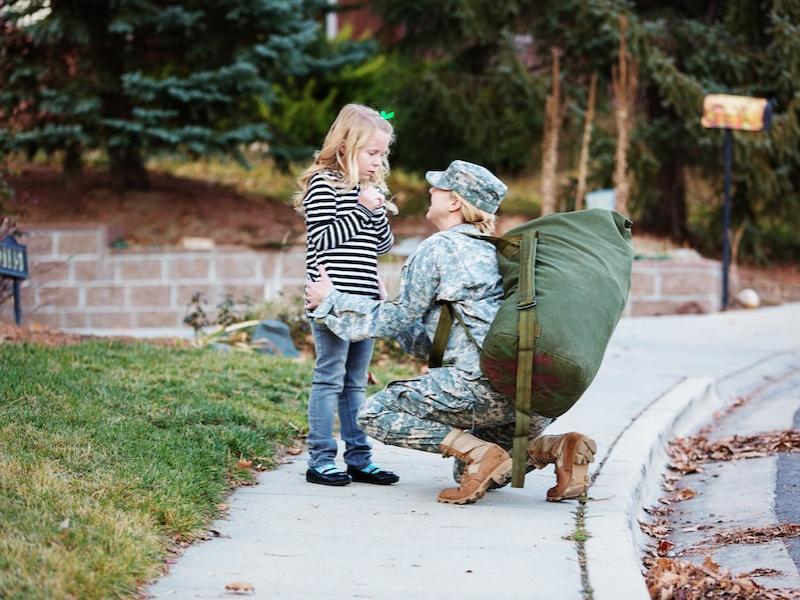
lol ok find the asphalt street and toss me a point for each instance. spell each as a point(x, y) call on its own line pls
point(787, 493)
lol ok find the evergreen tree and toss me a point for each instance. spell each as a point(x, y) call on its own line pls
point(462, 88)
point(685, 50)
point(137, 76)
point(746, 47)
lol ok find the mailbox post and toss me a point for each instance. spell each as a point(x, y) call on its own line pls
point(14, 264)
point(728, 112)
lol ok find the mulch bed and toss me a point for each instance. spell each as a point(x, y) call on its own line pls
point(47, 336)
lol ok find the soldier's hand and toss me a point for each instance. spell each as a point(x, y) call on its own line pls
point(382, 293)
point(317, 290)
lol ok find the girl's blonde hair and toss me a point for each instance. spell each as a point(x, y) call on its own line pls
point(484, 221)
point(336, 160)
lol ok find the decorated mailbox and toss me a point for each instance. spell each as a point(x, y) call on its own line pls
point(742, 113)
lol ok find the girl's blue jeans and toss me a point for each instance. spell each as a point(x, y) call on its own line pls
point(339, 382)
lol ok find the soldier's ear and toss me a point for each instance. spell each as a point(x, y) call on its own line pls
point(455, 202)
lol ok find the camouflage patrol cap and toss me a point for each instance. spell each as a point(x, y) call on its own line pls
point(476, 184)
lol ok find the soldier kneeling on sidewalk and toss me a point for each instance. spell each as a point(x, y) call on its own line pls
point(452, 409)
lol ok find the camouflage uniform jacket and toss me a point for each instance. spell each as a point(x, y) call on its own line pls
point(446, 266)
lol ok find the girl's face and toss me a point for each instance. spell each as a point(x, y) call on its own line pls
point(370, 157)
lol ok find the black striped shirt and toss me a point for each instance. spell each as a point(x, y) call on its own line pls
point(344, 236)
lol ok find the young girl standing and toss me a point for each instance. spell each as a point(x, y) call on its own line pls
point(342, 197)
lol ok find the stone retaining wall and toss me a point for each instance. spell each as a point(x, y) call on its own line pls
point(78, 282)
point(687, 284)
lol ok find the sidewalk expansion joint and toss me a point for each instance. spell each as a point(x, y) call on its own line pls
point(580, 535)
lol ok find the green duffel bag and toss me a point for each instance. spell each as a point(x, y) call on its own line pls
point(566, 278)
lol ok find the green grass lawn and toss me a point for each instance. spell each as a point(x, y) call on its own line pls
point(110, 452)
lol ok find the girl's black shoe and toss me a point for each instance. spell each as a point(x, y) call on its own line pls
point(328, 475)
point(372, 474)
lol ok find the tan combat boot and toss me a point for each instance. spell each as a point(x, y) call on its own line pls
point(571, 453)
point(486, 463)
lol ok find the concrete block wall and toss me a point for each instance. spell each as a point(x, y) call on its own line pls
point(681, 286)
point(78, 282)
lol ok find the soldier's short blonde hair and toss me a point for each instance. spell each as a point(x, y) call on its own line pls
point(484, 221)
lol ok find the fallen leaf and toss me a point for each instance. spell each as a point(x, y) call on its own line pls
point(664, 546)
point(244, 464)
point(762, 572)
point(240, 587)
point(709, 564)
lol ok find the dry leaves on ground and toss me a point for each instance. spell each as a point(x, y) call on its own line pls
point(244, 464)
point(659, 530)
point(43, 335)
point(678, 496)
point(658, 511)
point(240, 587)
point(669, 579)
point(762, 572)
point(736, 404)
point(687, 452)
point(685, 494)
point(746, 535)
point(38, 334)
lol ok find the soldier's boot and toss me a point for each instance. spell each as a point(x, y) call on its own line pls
point(487, 463)
point(571, 453)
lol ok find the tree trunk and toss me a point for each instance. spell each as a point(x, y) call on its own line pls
point(583, 162)
point(107, 49)
point(554, 113)
point(127, 169)
point(72, 167)
point(666, 211)
point(622, 184)
point(664, 206)
point(625, 82)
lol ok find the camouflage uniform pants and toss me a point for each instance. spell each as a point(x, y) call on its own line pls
point(418, 413)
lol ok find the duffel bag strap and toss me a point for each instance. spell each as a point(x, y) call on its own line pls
point(441, 336)
point(527, 338)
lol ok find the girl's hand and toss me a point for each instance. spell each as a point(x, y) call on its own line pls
point(371, 198)
point(317, 290)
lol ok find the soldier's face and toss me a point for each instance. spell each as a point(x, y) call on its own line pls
point(440, 207)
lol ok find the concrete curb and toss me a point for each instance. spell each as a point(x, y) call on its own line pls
point(629, 478)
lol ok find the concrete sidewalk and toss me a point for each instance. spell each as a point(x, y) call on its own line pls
point(290, 539)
